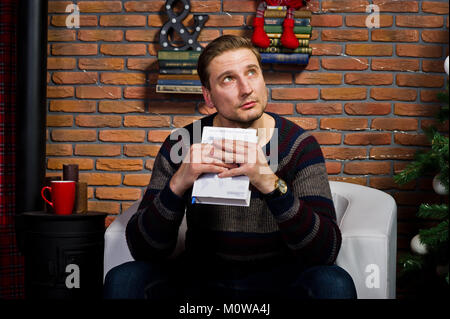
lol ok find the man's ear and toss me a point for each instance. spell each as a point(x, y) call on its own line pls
point(207, 96)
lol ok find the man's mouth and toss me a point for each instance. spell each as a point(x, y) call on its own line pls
point(248, 105)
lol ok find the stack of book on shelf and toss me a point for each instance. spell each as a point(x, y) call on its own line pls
point(178, 72)
point(273, 25)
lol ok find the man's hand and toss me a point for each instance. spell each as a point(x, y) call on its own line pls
point(251, 162)
point(199, 160)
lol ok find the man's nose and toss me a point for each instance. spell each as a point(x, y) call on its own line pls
point(245, 87)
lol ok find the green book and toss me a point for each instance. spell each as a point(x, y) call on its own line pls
point(279, 29)
point(178, 55)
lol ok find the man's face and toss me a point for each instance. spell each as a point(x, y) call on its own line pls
point(237, 87)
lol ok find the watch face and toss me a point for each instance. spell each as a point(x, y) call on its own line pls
point(282, 186)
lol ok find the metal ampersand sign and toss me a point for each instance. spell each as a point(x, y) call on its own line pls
point(175, 23)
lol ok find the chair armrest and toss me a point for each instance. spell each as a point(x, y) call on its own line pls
point(369, 239)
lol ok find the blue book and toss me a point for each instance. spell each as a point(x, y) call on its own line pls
point(279, 21)
point(179, 82)
point(288, 58)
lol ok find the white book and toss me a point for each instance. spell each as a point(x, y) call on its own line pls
point(231, 191)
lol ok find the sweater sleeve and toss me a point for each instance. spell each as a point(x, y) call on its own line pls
point(306, 214)
point(152, 231)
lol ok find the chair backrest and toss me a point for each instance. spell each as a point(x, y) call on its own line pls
point(340, 205)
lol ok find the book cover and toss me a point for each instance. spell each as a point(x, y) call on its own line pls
point(177, 64)
point(177, 71)
point(297, 35)
point(179, 82)
point(279, 21)
point(178, 55)
point(271, 49)
point(276, 42)
point(231, 191)
point(279, 29)
point(293, 58)
point(188, 89)
point(299, 14)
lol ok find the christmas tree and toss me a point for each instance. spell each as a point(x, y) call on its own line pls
point(430, 245)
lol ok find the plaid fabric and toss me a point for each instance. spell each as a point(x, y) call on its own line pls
point(11, 261)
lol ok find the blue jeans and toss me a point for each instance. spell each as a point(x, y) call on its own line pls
point(181, 279)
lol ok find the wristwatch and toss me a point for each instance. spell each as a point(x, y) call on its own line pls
point(280, 189)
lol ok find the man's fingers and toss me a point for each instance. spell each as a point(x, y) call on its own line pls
point(238, 171)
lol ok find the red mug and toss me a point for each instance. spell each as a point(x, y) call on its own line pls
point(63, 196)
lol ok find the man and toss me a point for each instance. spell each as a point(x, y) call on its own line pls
point(283, 245)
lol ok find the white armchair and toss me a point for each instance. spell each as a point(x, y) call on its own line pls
point(367, 219)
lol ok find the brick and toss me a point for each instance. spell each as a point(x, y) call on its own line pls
point(136, 179)
point(73, 135)
point(366, 167)
point(181, 121)
point(121, 106)
point(75, 77)
point(142, 64)
point(114, 164)
point(395, 65)
point(104, 179)
point(393, 124)
point(58, 150)
point(171, 107)
point(327, 138)
point(100, 6)
point(72, 106)
point(141, 150)
point(353, 180)
point(209, 35)
point(318, 78)
point(158, 135)
point(325, 49)
point(61, 63)
point(122, 136)
point(435, 7)
point(367, 108)
point(383, 153)
point(123, 49)
point(98, 92)
point(319, 108)
point(343, 93)
point(345, 35)
point(419, 21)
point(60, 35)
point(437, 36)
point(397, 6)
point(333, 167)
point(149, 164)
point(411, 139)
point(419, 51)
point(58, 6)
point(60, 91)
point(277, 78)
point(100, 35)
point(146, 121)
point(344, 153)
point(74, 49)
point(239, 6)
point(101, 64)
point(136, 92)
point(97, 150)
point(369, 79)
point(360, 21)
point(144, 6)
point(59, 120)
point(393, 94)
point(118, 193)
point(433, 66)
point(85, 21)
point(382, 183)
point(123, 21)
point(415, 109)
point(280, 108)
point(142, 35)
point(344, 5)
point(395, 35)
point(104, 207)
point(57, 163)
point(328, 20)
point(429, 96)
point(295, 93)
point(369, 49)
point(346, 124)
point(367, 139)
point(206, 6)
point(345, 63)
point(304, 122)
point(420, 80)
point(122, 78)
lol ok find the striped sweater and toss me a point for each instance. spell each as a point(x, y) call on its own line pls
point(301, 224)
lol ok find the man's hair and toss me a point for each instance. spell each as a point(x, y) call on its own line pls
point(219, 46)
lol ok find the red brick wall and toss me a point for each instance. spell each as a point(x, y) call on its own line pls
point(366, 94)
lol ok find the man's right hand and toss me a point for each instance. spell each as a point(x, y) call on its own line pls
point(199, 160)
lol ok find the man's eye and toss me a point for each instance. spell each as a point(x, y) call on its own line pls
point(227, 79)
point(251, 72)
